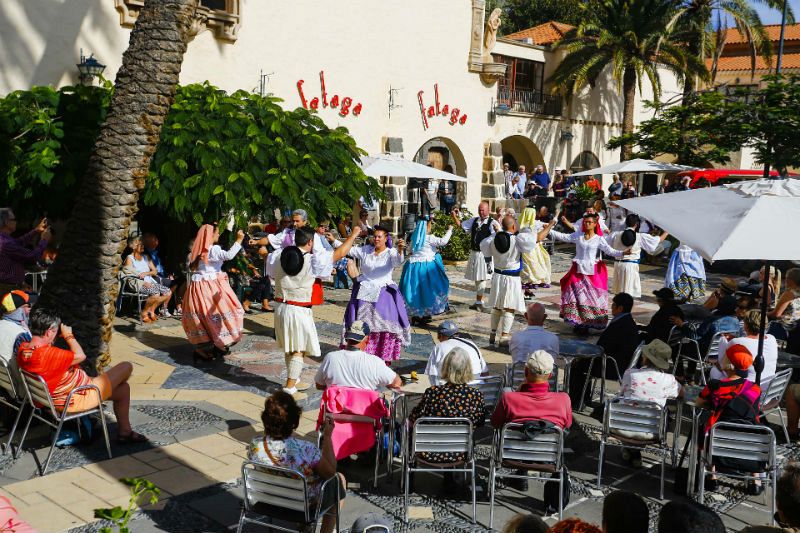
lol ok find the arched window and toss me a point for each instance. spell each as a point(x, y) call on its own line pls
point(584, 161)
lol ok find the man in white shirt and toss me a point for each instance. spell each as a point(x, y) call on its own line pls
point(447, 342)
point(535, 337)
point(353, 367)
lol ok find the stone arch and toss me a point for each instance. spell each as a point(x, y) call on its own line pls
point(520, 150)
point(440, 152)
point(584, 161)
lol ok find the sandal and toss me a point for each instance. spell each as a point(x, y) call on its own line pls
point(131, 438)
point(144, 317)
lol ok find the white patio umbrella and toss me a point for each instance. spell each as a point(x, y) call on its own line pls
point(635, 166)
point(735, 221)
point(391, 165)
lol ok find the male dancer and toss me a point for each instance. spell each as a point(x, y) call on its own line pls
point(479, 268)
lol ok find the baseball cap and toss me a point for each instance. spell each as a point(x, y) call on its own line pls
point(448, 328)
point(540, 362)
point(357, 331)
point(739, 356)
point(16, 299)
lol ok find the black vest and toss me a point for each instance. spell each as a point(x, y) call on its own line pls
point(478, 234)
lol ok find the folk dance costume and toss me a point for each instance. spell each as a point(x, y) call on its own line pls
point(584, 289)
point(626, 269)
point(285, 238)
point(211, 311)
point(376, 300)
point(296, 273)
point(423, 283)
point(479, 268)
point(686, 274)
point(536, 268)
point(505, 296)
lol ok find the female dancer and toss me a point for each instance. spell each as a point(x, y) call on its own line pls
point(212, 315)
point(686, 274)
point(584, 289)
point(424, 282)
point(376, 299)
point(536, 269)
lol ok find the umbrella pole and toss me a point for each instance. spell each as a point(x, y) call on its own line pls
point(758, 363)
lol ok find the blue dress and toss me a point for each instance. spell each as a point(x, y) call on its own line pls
point(423, 283)
point(686, 274)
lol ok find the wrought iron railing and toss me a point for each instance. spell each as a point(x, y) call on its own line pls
point(535, 102)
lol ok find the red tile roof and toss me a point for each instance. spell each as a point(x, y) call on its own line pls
point(543, 34)
point(732, 63)
point(773, 32)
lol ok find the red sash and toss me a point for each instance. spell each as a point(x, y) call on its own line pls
point(316, 293)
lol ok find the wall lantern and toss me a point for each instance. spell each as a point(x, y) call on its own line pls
point(89, 68)
point(567, 135)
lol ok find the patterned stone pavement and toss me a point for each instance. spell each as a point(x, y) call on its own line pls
point(201, 417)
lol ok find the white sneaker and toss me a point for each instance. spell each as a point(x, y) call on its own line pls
point(290, 390)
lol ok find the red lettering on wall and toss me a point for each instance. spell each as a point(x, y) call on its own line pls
point(334, 102)
point(436, 109)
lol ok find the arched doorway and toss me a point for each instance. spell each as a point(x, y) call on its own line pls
point(520, 150)
point(584, 161)
point(444, 154)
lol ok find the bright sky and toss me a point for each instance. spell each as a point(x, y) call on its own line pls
point(773, 16)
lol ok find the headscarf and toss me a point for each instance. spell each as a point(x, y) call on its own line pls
point(202, 243)
point(418, 237)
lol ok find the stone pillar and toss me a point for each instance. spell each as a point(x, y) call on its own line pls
point(395, 187)
point(493, 182)
point(476, 36)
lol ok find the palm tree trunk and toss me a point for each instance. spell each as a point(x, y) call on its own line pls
point(82, 284)
point(629, 100)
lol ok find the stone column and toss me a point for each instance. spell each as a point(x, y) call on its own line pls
point(476, 36)
point(493, 182)
point(395, 187)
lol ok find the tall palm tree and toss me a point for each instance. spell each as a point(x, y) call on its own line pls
point(630, 38)
point(82, 284)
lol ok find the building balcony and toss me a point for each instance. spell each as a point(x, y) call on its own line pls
point(533, 102)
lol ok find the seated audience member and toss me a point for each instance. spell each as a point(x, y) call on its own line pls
point(353, 367)
point(451, 400)
point(525, 523)
point(175, 281)
point(534, 400)
point(727, 287)
point(787, 309)
point(574, 525)
point(625, 512)
point(62, 372)
point(688, 517)
point(139, 265)
point(279, 447)
point(619, 340)
point(651, 382)
point(752, 325)
point(662, 321)
point(787, 501)
point(534, 337)
point(722, 320)
point(448, 341)
point(15, 252)
point(15, 308)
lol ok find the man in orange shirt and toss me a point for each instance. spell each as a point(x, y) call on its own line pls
point(61, 370)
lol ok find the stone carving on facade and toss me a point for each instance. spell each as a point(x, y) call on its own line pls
point(224, 23)
point(483, 38)
point(490, 35)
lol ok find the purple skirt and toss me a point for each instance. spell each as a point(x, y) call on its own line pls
point(385, 318)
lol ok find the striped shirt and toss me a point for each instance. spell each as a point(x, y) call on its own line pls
point(14, 255)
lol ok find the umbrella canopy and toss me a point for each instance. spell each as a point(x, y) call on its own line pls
point(392, 165)
point(743, 220)
point(635, 165)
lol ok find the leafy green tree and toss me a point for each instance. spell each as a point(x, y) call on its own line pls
point(629, 38)
point(523, 14)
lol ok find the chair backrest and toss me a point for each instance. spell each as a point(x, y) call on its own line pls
point(713, 347)
point(625, 416)
point(38, 393)
point(637, 354)
point(545, 448)
point(7, 382)
point(277, 486)
point(491, 387)
point(675, 336)
point(742, 441)
point(516, 376)
point(437, 434)
point(773, 392)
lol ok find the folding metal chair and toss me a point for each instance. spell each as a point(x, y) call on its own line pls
point(273, 492)
point(540, 456)
point(377, 425)
point(637, 354)
point(678, 339)
point(16, 402)
point(127, 289)
point(590, 379)
point(515, 376)
point(43, 409)
point(398, 413)
point(772, 394)
point(744, 442)
point(439, 435)
point(634, 424)
point(492, 388)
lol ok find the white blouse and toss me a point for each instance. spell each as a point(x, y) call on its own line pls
point(521, 243)
point(376, 270)
point(216, 256)
point(428, 250)
point(586, 250)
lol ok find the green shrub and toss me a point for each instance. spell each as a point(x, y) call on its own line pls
point(458, 247)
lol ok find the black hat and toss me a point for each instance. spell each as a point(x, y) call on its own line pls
point(664, 294)
point(502, 241)
point(291, 260)
point(628, 237)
